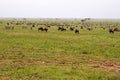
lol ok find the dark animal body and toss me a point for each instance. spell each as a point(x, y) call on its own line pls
point(61, 28)
point(42, 29)
point(9, 27)
point(76, 31)
point(71, 28)
point(111, 30)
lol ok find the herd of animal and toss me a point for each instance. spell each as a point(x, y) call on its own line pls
point(63, 25)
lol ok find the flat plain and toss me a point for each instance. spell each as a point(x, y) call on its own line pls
point(29, 54)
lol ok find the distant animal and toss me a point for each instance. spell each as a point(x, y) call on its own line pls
point(59, 28)
point(111, 30)
point(76, 31)
point(48, 26)
point(7, 27)
point(81, 27)
point(71, 28)
point(7, 23)
point(117, 29)
point(63, 29)
point(12, 27)
point(33, 25)
point(83, 20)
point(45, 29)
point(40, 29)
point(89, 29)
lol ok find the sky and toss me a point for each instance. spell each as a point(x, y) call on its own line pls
point(60, 8)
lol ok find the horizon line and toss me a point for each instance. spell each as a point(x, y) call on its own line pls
point(53, 18)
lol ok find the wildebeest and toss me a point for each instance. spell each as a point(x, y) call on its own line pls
point(45, 29)
point(12, 27)
point(89, 29)
point(61, 28)
point(116, 29)
point(33, 25)
point(48, 26)
point(7, 23)
point(71, 28)
point(81, 27)
point(111, 30)
point(42, 29)
point(83, 20)
point(9, 27)
point(76, 31)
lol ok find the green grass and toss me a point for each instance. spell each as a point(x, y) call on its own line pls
point(93, 43)
point(59, 73)
point(55, 55)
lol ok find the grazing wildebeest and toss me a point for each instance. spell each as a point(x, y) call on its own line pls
point(8, 23)
point(76, 31)
point(116, 29)
point(48, 26)
point(12, 27)
point(40, 28)
point(33, 25)
point(81, 27)
point(59, 28)
point(45, 29)
point(71, 28)
point(7, 27)
point(63, 29)
point(111, 30)
point(89, 29)
point(83, 20)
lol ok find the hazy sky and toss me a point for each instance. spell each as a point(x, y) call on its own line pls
point(60, 8)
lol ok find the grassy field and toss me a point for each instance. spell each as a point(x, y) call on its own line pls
point(55, 55)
